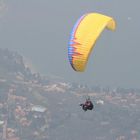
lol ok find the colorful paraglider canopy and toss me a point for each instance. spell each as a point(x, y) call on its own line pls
point(83, 37)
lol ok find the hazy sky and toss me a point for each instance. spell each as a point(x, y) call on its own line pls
point(40, 31)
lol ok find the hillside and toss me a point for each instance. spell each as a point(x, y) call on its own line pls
point(35, 107)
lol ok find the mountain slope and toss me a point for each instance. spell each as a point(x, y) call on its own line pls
point(42, 108)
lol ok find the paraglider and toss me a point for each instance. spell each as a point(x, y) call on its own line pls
point(88, 105)
point(83, 37)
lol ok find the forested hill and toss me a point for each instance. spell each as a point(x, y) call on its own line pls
point(35, 107)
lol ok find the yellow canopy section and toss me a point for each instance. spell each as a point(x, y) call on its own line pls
point(84, 35)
